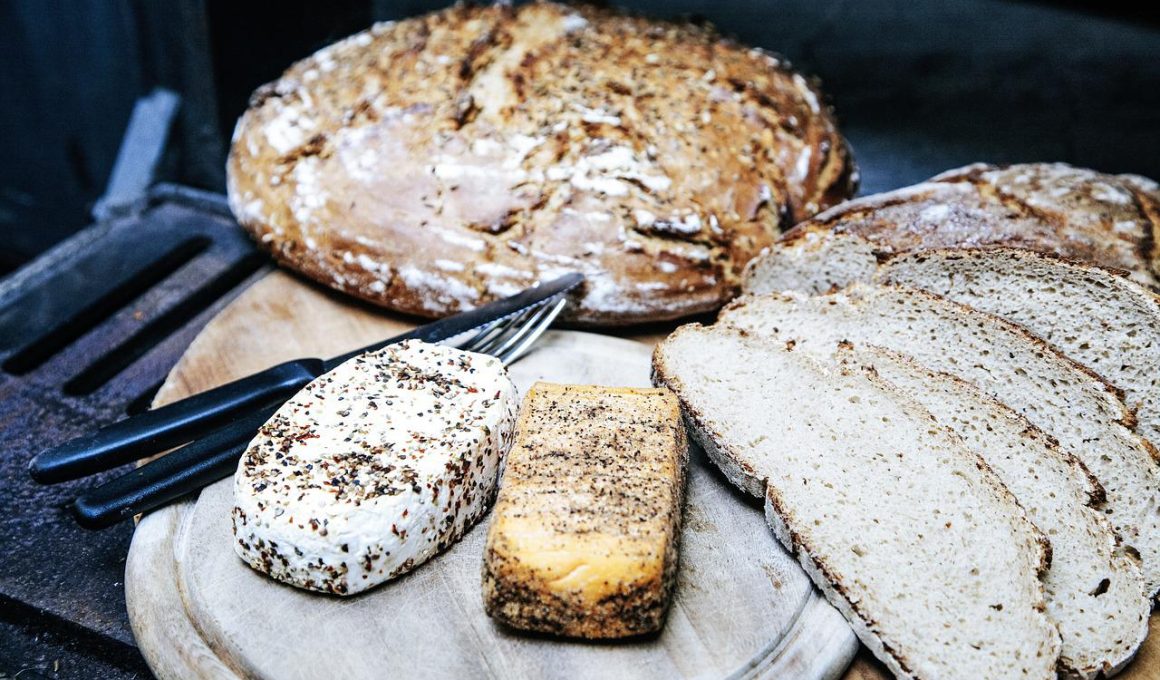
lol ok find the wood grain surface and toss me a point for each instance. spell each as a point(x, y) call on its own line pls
point(281, 317)
point(742, 608)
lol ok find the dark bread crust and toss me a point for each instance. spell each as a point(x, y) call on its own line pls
point(435, 164)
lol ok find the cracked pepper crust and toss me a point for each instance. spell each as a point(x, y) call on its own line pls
point(373, 468)
point(584, 538)
point(438, 163)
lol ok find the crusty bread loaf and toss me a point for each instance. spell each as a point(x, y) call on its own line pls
point(1097, 317)
point(1061, 397)
point(910, 535)
point(443, 161)
point(1110, 220)
point(1095, 593)
point(583, 541)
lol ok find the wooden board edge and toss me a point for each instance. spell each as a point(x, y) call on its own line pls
point(175, 647)
point(822, 644)
point(166, 636)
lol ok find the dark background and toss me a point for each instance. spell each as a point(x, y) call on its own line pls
point(919, 87)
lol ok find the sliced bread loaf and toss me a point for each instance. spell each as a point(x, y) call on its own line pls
point(1097, 317)
point(910, 535)
point(1095, 594)
point(1004, 360)
point(1110, 220)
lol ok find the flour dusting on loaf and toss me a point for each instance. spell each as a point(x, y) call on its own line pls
point(516, 143)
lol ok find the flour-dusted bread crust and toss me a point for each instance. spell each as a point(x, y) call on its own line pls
point(1096, 316)
point(583, 540)
point(906, 532)
point(1109, 220)
point(1095, 592)
point(374, 468)
point(1063, 398)
point(440, 162)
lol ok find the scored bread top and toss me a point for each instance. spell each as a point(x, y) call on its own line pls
point(1110, 220)
point(440, 162)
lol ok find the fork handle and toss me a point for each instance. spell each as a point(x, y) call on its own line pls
point(177, 423)
point(171, 476)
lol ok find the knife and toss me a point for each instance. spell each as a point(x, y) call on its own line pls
point(177, 423)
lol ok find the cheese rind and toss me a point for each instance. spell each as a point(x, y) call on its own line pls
point(374, 468)
point(584, 538)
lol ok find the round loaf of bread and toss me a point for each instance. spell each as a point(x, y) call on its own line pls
point(441, 162)
point(1080, 214)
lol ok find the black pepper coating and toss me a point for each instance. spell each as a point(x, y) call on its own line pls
point(584, 538)
point(414, 431)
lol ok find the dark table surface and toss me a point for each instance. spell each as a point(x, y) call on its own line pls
point(918, 87)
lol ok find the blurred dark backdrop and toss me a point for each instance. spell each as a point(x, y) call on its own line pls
point(918, 86)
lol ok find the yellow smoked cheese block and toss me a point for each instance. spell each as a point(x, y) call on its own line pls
point(583, 541)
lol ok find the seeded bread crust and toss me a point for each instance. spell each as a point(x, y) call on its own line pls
point(1109, 220)
point(438, 163)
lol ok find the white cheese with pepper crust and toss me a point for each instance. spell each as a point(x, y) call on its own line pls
point(374, 468)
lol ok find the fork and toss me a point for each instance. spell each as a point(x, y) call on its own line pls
point(215, 455)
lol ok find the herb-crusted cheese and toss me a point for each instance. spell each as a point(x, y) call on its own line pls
point(374, 468)
point(584, 538)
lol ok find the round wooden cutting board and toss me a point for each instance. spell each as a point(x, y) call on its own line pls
point(743, 608)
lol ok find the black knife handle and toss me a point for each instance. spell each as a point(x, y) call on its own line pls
point(171, 425)
point(171, 476)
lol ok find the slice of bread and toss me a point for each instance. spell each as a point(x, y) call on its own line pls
point(909, 534)
point(1097, 317)
point(1095, 593)
point(1003, 359)
point(815, 261)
